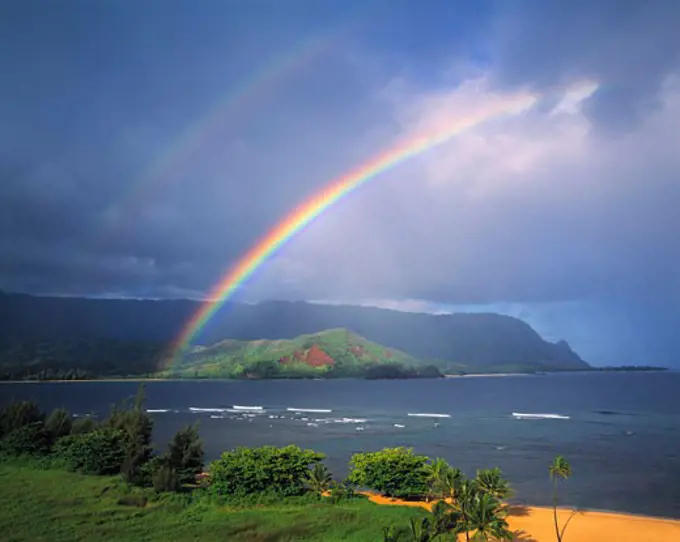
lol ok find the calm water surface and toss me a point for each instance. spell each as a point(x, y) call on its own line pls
point(622, 436)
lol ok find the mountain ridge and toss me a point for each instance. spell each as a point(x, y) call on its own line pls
point(475, 341)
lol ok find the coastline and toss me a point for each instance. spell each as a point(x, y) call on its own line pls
point(479, 375)
point(535, 523)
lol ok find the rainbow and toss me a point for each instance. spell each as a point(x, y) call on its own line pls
point(325, 198)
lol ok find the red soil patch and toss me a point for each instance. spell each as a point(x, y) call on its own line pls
point(314, 357)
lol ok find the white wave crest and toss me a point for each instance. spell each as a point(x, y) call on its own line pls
point(317, 410)
point(197, 409)
point(528, 416)
point(239, 407)
point(155, 410)
point(428, 415)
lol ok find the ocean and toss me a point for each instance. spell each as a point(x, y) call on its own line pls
point(619, 431)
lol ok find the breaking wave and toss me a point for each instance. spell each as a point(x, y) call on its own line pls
point(197, 409)
point(529, 416)
point(428, 415)
point(316, 410)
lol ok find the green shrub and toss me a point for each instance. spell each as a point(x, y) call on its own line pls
point(19, 414)
point(280, 471)
point(165, 479)
point(342, 491)
point(100, 452)
point(395, 472)
point(84, 425)
point(136, 426)
point(58, 424)
point(185, 454)
point(31, 439)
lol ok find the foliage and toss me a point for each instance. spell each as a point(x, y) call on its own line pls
point(341, 491)
point(318, 478)
point(491, 481)
point(83, 425)
point(267, 469)
point(486, 518)
point(328, 354)
point(443, 479)
point(30, 439)
point(395, 472)
point(165, 478)
point(185, 454)
point(136, 426)
point(395, 371)
point(18, 414)
point(102, 451)
point(560, 468)
point(59, 424)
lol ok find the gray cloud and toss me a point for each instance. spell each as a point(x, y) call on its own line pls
point(629, 46)
point(551, 207)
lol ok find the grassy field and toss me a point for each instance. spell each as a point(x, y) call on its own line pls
point(54, 505)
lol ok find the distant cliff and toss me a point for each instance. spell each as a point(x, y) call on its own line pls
point(467, 342)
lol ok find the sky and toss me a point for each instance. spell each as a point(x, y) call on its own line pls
point(145, 146)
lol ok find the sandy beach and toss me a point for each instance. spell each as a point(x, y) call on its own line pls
point(535, 524)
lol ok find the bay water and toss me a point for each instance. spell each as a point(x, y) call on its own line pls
point(619, 431)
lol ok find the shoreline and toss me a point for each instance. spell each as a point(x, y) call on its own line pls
point(535, 523)
point(479, 375)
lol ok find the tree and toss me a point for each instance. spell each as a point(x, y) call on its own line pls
point(559, 468)
point(491, 481)
point(445, 518)
point(58, 424)
point(435, 474)
point(137, 427)
point(423, 531)
point(318, 478)
point(268, 469)
point(185, 454)
point(487, 519)
point(394, 472)
point(443, 479)
point(165, 478)
point(101, 451)
point(465, 501)
point(18, 414)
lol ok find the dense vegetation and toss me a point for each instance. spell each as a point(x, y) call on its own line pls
point(263, 493)
point(332, 353)
point(64, 335)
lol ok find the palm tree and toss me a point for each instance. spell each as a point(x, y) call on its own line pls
point(423, 531)
point(487, 519)
point(319, 479)
point(559, 468)
point(443, 479)
point(390, 534)
point(491, 481)
point(465, 500)
point(444, 518)
point(435, 473)
point(450, 483)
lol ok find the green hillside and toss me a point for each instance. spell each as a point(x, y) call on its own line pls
point(328, 354)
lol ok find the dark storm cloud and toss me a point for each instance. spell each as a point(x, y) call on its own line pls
point(570, 204)
point(627, 45)
point(102, 189)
